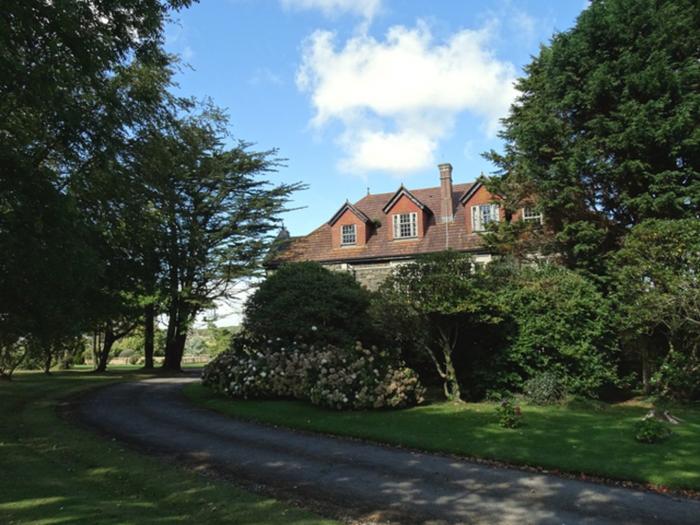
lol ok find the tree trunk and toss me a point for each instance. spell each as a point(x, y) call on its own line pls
point(148, 335)
point(47, 363)
point(174, 349)
point(646, 372)
point(451, 387)
point(103, 358)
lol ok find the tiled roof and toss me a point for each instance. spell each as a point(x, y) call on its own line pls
point(317, 246)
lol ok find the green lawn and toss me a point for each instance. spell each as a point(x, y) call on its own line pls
point(573, 439)
point(51, 472)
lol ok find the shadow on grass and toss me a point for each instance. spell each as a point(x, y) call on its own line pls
point(55, 473)
point(591, 441)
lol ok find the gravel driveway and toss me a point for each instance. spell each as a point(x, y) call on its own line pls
point(363, 479)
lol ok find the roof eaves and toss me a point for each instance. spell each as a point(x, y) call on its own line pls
point(347, 206)
point(401, 192)
point(470, 192)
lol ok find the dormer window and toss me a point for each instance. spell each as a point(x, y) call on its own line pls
point(405, 225)
point(531, 214)
point(482, 215)
point(348, 234)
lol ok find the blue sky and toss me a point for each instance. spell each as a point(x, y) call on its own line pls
point(363, 93)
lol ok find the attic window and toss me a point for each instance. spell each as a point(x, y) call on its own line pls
point(482, 215)
point(348, 234)
point(531, 214)
point(405, 225)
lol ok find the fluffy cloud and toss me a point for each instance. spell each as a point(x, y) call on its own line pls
point(364, 8)
point(397, 97)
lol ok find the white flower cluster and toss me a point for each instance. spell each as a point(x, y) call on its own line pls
point(356, 378)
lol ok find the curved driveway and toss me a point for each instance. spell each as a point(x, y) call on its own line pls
point(407, 486)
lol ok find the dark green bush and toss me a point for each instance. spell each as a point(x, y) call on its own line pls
point(305, 301)
point(561, 324)
point(651, 431)
point(545, 388)
point(679, 377)
point(509, 414)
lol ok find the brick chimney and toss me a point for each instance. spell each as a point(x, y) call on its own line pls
point(447, 211)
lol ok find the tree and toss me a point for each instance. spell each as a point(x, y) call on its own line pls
point(217, 215)
point(605, 129)
point(563, 325)
point(67, 96)
point(448, 296)
point(307, 301)
point(656, 283)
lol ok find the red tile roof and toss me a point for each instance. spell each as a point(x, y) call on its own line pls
point(317, 245)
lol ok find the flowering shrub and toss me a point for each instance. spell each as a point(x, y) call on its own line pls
point(355, 378)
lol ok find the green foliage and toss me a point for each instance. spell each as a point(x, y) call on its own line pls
point(545, 388)
point(509, 414)
point(656, 289)
point(605, 128)
point(650, 431)
point(308, 302)
point(678, 377)
point(444, 295)
point(67, 106)
point(563, 325)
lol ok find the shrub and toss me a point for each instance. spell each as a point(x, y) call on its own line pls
point(509, 414)
point(305, 301)
point(563, 324)
point(545, 388)
point(678, 377)
point(335, 377)
point(651, 431)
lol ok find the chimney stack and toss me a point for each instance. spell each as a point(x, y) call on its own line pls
point(447, 211)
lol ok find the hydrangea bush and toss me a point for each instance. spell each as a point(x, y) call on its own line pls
point(340, 378)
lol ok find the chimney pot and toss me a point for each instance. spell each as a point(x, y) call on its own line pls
point(447, 211)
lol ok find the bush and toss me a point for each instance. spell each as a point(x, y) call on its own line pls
point(305, 301)
point(134, 359)
point(335, 377)
point(545, 388)
point(509, 414)
point(679, 377)
point(562, 324)
point(651, 431)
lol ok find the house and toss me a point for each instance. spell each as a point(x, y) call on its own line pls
point(371, 236)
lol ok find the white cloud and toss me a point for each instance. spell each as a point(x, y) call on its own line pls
point(331, 8)
point(398, 97)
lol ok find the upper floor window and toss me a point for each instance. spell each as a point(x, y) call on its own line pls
point(405, 225)
point(482, 215)
point(348, 234)
point(531, 214)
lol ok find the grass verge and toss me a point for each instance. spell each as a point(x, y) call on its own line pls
point(578, 440)
point(53, 472)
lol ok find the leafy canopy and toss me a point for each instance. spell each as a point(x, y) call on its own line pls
point(605, 129)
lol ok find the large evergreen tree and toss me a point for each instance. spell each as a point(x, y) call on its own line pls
point(72, 79)
point(606, 130)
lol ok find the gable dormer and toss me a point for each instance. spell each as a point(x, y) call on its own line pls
point(480, 208)
point(407, 216)
point(350, 227)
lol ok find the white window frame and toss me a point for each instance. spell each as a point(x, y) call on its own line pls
point(405, 225)
point(350, 233)
point(530, 214)
point(483, 214)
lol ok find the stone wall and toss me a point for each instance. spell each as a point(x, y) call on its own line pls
point(371, 275)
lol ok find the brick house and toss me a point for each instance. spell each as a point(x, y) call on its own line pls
point(371, 236)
